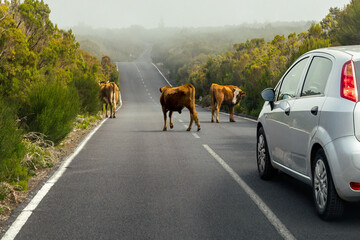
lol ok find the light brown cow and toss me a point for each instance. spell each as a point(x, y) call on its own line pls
point(229, 94)
point(175, 99)
point(116, 89)
point(109, 95)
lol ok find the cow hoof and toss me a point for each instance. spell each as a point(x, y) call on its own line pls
point(212, 120)
point(164, 129)
point(188, 129)
point(217, 121)
point(171, 126)
point(199, 128)
point(232, 120)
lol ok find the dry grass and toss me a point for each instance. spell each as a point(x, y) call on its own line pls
point(41, 157)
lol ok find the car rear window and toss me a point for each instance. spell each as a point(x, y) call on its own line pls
point(317, 76)
point(357, 73)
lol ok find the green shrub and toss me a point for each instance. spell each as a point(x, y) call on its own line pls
point(51, 109)
point(12, 149)
point(88, 90)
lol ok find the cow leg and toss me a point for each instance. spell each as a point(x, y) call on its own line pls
point(231, 109)
point(114, 105)
point(171, 122)
point(106, 111)
point(218, 105)
point(164, 112)
point(212, 111)
point(191, 121)
point(193, 117)
point(114, 111)
point(111, 110)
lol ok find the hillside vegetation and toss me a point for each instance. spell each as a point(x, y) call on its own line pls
point(256, 63)
point(46, 81)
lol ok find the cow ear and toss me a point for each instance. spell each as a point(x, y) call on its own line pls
point(243, 93)
point(161, 90)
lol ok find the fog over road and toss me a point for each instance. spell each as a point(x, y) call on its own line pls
point(134, 181)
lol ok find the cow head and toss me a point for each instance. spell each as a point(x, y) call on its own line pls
point(238, 94)
point(163, 88)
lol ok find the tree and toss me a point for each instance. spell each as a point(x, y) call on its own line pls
point(347, 30)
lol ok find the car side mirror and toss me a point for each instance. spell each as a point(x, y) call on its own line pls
point(268, 95)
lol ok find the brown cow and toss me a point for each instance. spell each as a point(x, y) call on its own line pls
point(109, 95)
point(230, 95)
point(175, 99)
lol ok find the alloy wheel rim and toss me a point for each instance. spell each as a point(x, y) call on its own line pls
point(261, 153)
point(320, 184)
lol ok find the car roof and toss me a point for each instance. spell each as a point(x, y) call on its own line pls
point(353, 50)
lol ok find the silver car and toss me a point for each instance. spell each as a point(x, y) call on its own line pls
point(309, 127)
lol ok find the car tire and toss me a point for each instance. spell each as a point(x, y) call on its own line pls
point(265, 169)
point(327, 202)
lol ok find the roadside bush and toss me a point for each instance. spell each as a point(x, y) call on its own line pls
point(12, 149)
point(51, 110)
point(88, 91)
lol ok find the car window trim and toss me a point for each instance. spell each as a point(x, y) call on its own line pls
point(279, 85)
point(312, 56)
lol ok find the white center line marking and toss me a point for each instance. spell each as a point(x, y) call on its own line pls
point(195, 135)
point(273, 219)
point(181, 120)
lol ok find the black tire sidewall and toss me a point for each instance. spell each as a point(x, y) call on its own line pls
point(268, 169)
point(334, 205)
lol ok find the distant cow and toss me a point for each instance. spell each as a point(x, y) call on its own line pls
point(117, 91)
point(109, 94)
point(230, 95)
point(175, 99)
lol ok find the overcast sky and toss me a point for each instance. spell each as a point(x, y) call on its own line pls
point(185, 13)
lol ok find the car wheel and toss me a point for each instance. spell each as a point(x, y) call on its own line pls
point(328, 203)
point(266, 170)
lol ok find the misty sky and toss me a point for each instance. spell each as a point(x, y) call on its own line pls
point(185, 13)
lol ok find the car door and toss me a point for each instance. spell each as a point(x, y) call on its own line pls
point(305, 112)
point(278, 119)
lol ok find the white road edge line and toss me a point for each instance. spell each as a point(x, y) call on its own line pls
point(273, 219)
point(236, 116)
point(161, 74)
point(28, 210)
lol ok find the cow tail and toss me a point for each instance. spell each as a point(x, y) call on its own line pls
point(212, 94)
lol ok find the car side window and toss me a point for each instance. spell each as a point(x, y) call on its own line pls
point(291, 81)
point(317, 76)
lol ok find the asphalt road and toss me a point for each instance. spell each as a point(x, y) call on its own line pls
point(133, 181)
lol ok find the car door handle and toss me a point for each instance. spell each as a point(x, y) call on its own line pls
point(287, 111)
point(315, 110)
